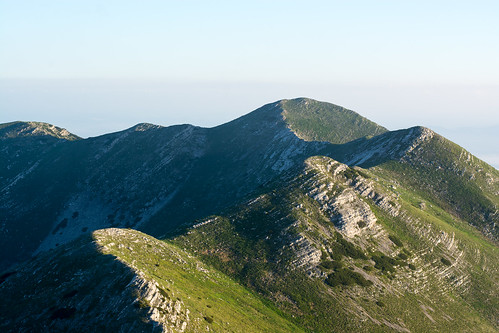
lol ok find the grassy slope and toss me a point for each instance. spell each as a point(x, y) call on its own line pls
point(249, 244)
point(205, 292)
point(455, 180)
point(475, 256)
point(318, 121)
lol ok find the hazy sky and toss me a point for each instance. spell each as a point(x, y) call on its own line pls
point(100, 66)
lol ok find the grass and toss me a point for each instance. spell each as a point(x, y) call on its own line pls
point(248, 243)
point(208, 294)
point(318, 121)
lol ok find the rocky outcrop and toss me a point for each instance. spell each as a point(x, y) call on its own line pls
point(350, 213)
point(34, 129)
point(168, 313)
point(342, 204)
point(78, 287)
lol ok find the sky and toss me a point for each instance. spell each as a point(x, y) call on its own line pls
point(95, 67)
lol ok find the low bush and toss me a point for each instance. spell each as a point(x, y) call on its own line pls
point(384, 263)
point(347, 249)
point(396, 241)
point(328, 264)
point(402, 256)
point(347, 277)
point(445, 261)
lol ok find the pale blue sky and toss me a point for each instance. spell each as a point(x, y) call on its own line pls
point(100, 66)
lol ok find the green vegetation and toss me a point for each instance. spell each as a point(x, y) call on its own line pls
point(396, 241)
point(329, 264)
point(255, 265)
point(243, 242)
point(402, 256)
point(142, 303)
point(219, 301)
point(441, 174)
point(342, 247)
point(319, 121)
point(347, 277)
point(445, 261)
point(384, 263)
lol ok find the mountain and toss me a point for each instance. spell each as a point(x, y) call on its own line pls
point(143, 176)
point(317, 121)
point(33, 129)
point(121, 280)
point(349, 247)
point(320, 219)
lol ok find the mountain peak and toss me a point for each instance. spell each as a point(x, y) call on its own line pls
point(142, 127)
point(313, 120)
point(34, 129)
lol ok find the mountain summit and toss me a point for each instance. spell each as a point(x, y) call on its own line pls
point(34, 129)
point(302, 215)
point(319, 121)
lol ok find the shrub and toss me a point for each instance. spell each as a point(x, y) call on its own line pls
point(164, 293)
point(209, 319)
point(347, 249)
point(380, 304)
point(361, 224)
point(347, 277)
point(411, 266)
point(142, 303)
point(445, 261)
point(402, 256)
point(4, 276)
point(350, 173)
point(363, 174)
point(396, 241)
point(384, 263)
point(70, 294)
point(328, 264)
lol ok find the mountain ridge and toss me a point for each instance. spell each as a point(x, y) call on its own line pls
point(219, 166)
point(361, 230)
point(34, 129)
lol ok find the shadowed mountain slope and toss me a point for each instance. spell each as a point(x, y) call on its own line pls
point(335, 223)
point(155, 178)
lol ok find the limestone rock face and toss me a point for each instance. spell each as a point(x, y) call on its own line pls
point(307, 256)
point(168, 314)
point(387, 202)
point(351, 213)
point(343, 205)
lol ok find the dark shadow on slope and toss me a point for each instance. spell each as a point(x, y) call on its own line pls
point(75, 287)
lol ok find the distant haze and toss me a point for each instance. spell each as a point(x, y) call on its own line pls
point(99, 66)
